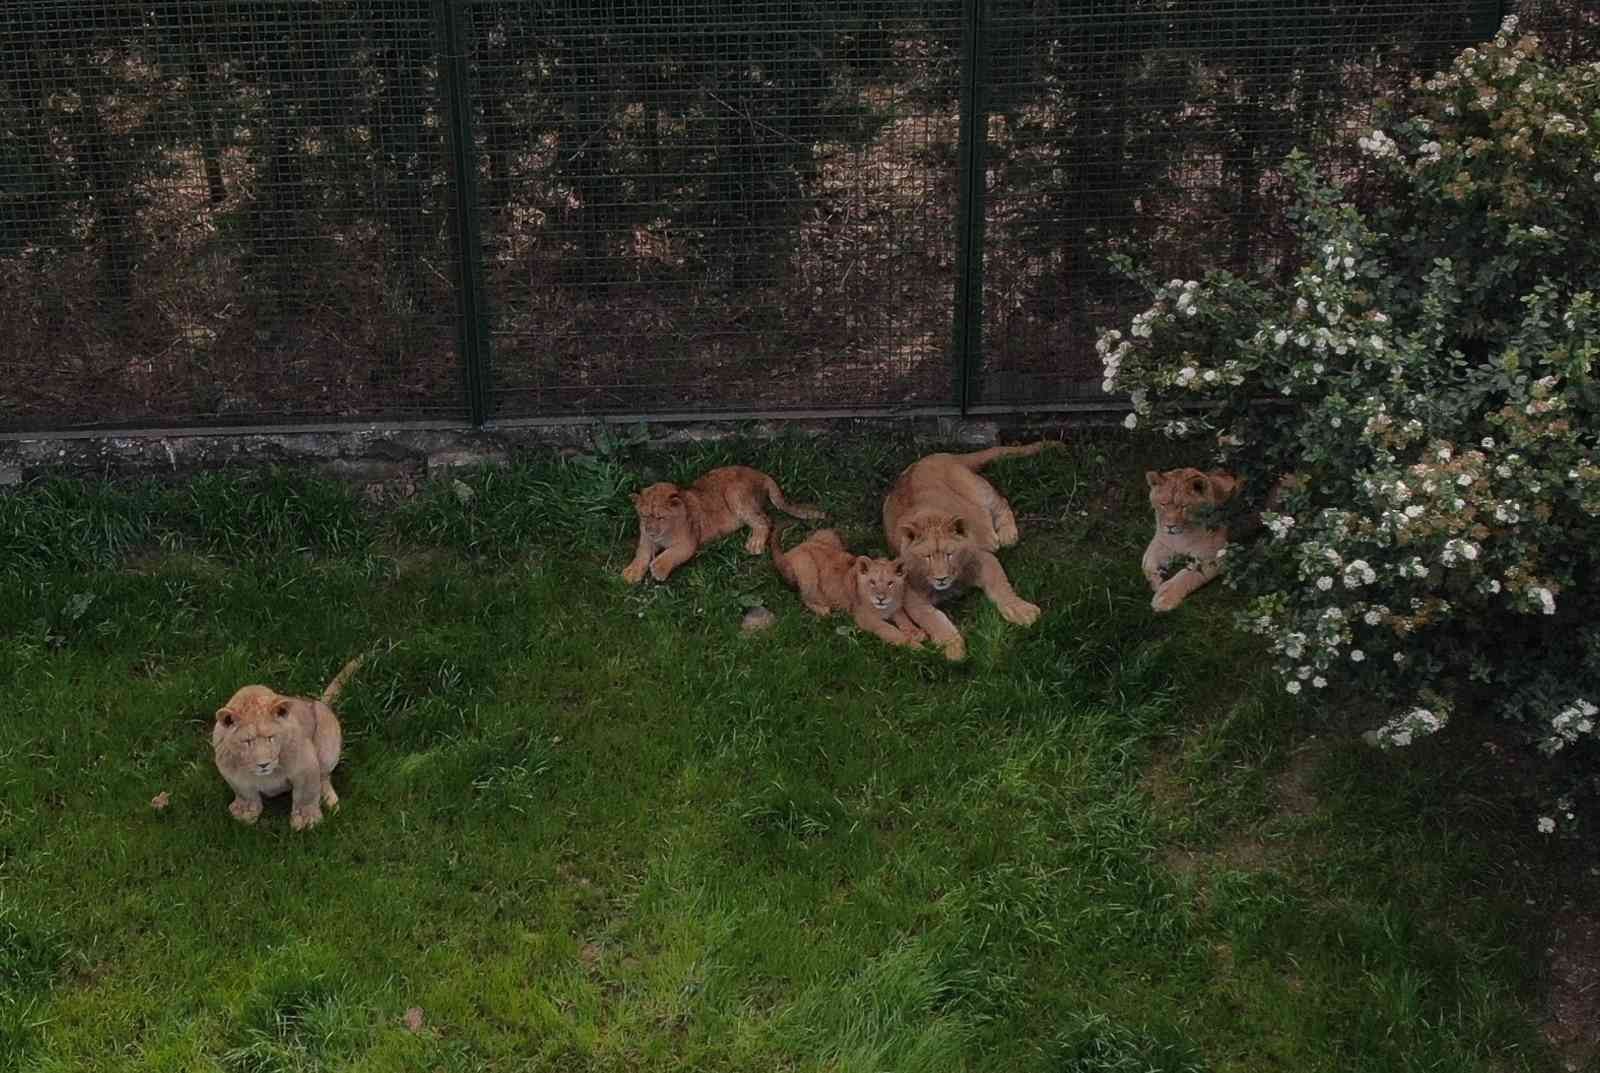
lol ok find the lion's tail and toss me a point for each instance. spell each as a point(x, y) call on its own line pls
point(779, 560)
point(793, 509)
point(336, 686)
point(978, 459)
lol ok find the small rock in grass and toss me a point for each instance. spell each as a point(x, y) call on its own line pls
point(757, 618)
point(413, 1019)
point(463, 490)
point(161, 800)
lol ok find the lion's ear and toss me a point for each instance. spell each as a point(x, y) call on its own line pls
point(899, 568)
point(909, 534)
point(675, 500)
point(281, 709)
point(958, 528)
point(226, 716)
point(1152, 478)
point(863, 564)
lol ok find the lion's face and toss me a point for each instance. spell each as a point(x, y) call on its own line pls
point(1176, 492)
point(661, 511)
point(881, 583)
point(935, 549)
point(251, 731)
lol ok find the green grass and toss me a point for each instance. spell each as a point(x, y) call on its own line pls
point(594, 827)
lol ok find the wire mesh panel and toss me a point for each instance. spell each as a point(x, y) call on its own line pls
point(1158, 127)
point(1568, 29)
point(221, 213)
point(717, 204)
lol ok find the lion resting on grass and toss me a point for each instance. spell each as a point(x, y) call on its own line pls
point(946, 523)
point(676, 521)
point(265, 743)
point(829, 578)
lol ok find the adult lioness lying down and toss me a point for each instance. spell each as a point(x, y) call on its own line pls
point(946, 523)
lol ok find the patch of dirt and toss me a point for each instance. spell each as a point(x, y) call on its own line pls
point(1292, 794)
point(1573, 1006)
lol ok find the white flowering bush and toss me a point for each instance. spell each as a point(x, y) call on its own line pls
point(1426, 377)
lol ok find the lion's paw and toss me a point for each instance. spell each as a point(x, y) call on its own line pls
point(302, 818)
point(1165, 599)
point(633, 573)
point(1021, 612)
point(245, 811)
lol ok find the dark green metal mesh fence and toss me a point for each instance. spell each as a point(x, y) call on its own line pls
point(276, 211)
point(717, 204)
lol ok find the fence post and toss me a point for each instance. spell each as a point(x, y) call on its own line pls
point(456, 96)
point(972, 163)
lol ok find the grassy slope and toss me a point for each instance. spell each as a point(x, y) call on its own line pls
point(594, 827)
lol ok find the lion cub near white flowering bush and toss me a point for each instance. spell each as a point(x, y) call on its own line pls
point(829, 578)
point(674, 522)
point(265, 743)
point(1178, 495)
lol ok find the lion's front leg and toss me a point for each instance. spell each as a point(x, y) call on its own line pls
point(880, 628)
point(991, 577)
point(246, 804)
point(1177, 588)
point(633, 573)
point(245, 808)
point(1151, 564)
point(914, 633)
point(305, 808)
point(936, 624)
point(671, 557)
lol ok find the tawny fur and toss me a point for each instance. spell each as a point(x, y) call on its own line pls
point(946, 522)
point(829, 578)
point(265, 743)
point(1175, 494)
point(675, 522)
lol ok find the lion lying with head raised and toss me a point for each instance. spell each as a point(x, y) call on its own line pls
point(674, 522)
point(265, 743)
point(829, 578)
point(946, 523)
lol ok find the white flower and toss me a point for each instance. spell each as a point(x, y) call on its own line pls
point(1372, 618)
point(1488, 442)
point(1547, 600)
point(1280, 337)
point(1324, 583)
point(1209, 376)
point(1319, 681)
point(1187, 374)
point(1464, 479)
point(1399, 657)
point(1130, 422)
point(1356, 655)
point(1546, 825)
point(1292, 687)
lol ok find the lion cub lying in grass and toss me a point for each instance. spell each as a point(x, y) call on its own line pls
point(946, 522)
point(1178, 495)
point(829, 578)
point(265, 744)
point(676, 521)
